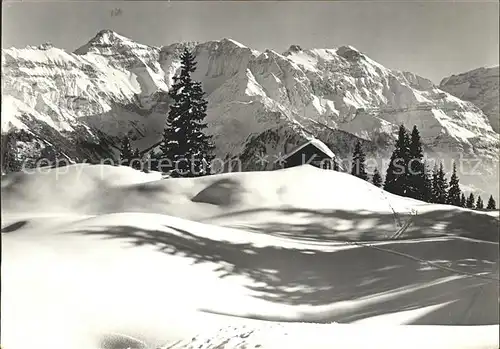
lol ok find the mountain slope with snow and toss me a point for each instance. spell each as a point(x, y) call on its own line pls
point(479, 86)
point(89, 95)
point(258, 101)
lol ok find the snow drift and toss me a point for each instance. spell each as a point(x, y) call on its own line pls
point(109, 257)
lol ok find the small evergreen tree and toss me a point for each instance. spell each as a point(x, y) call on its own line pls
point(470, 201)
point(146, 162)
point(479, 203)
point(358, 162)
point(377, 178)
point(463, 201)
point(396, 179)
point(185, 144)
point(135, 161)
point(126, 152)
point(492, 205)
point(454, 191)
point(416, 167)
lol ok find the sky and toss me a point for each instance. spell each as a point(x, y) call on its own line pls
point(432, 39)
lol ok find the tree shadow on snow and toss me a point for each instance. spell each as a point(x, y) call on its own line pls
point(329, 225)
point(316, 278)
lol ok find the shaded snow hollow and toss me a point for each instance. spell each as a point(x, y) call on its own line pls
point(109, 257)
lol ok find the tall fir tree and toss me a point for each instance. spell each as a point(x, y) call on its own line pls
point(427, 194)
point(126, 152)
point(470, 201)
point(416, 169)
point(479, 203)
point(358, 168)
point(492, 205)
point(454, 191)
point(463, 201)
point(434, 184)
point(377, 178)
point(439, 186)
point(185, 144)
point(396, 179)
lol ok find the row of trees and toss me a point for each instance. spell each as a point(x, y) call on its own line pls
point(408, 175)
point(187, 151)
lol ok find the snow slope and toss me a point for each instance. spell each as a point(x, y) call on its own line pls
point(258, 101)
point(108, 257)
point(479, 86)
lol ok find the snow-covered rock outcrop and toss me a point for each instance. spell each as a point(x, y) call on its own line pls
point(258, 101)
point(479, 86)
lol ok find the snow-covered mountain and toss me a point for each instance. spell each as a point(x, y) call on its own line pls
point(258, 101)
point(479, 86)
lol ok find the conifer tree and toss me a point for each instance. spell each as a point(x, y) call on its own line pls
point(454, 191)
point(377, 178)
point(439, 186)
point(185, 145)
point(126, 152)
point(416, 169)
point(492, 205)
point(358, 162)
point(136, 159)
point(443, 186)
point(479, 203)
point(434, 185)
point(427, 194)
point(396, 179)
point(463, 201)
point(470, 201)
point(146, 162)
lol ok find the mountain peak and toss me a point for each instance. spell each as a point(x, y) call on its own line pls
point(349, 52)
point(109, 37)
point(233, 42)
point(106, 38)
point(42, 47)
point(104, 32)
point(293, 49)
point(224, 43)
point(45, 46)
